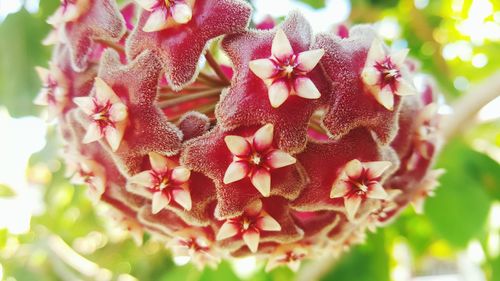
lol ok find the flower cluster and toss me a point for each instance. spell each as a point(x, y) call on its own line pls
point(296, 146)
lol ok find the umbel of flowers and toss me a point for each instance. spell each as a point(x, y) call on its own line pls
point(296, 145)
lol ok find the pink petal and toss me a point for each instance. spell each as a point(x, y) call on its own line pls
point(252, 239)
point(309, 59)
point(93, 133)
point(43, 73)
point(261, 180)
point(278, 93)
point(227, 230)
point(143, 179)
point(268, 223)
point(159, 202)
point(263, 68)
point(182, 13)
point(118, 112)
point(377, 168)
point(180, 174)
point(399, 57)
point(183, 198)
point(263, 138)
point(157, 21)
point(339, 189)
point(376, 53)
point(86, 104)
point(146, 4)
point(405, 88)
point(376, 191)
point(158, 162)
point(104, 92)
point(385, 97)
point(305, 88)
point(275, 262)
point(114, 136)
point(281, 47)
point(278, 158)
point(353, 168)
point(235, 172)
point(352, 204)
point(238, 146)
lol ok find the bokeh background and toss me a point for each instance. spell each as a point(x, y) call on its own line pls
point(50, 230)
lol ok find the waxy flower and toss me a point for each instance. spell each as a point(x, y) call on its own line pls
point(163, 183)
point(70, 10)
point(107, 115)
point(54, 92)
point(194, 244)
point(93, 174)
point(290, 255)
point(358, 181)
point(286, 71)
point(255, 157)
point(249, 225)
point(385, 74)
point(166, 13)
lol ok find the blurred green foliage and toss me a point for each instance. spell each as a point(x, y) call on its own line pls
point(457, 215)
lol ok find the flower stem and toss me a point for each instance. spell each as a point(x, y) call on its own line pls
point(216, 68)
point(185, 98)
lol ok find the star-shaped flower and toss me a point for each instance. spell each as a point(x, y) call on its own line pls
point(254, 158)
point(163, 183)
point(209, 154)
point(148, 129)
point(358, 181)
point(69, 10)
point(269, 54)
point(166, 13)
point(196, 245)
point(93, 174)
point(54, 92)
point(107, 113)
point(178, 32)
point(322, 160)
point(249, 225)
point(386, 75)
point(285, 72)
point(352, 104)
point(80, 23)
point(290, 255)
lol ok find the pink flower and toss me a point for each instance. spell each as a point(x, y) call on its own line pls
point(358, 181)
point(255, 157)
point(70, 10)
point(249, 225)
point(285, 71)
point(54, 92)
point(290, 255)
point(91, 173)
point(166, 13)
point(194, 244)
point(386, 75)
point(107, 115)
point(163, 183)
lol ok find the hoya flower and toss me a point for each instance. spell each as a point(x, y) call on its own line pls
point(178, 32)
point(289, 255)
point(107, 114)
point(166, 13)
point(70, 10)
point(163, 183)
point(286, 71)
point(358, 181)
point(426, 189)
point(385, 74)
point(195, 245)
point(93, 174)
point(249, 225)
point(255, 157)
point(54, 92)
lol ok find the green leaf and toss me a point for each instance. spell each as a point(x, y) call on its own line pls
point(223, 272)
point(460, 208)
point(495, 265)
point(6, 191)
point(317, 4)
point(3, 237)
point(364, 263)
